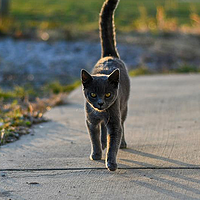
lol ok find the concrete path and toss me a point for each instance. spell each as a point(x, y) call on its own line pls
point(162, 160)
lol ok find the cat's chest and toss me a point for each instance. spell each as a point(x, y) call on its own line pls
point(95, 116)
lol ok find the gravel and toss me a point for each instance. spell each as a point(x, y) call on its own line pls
point(39, 62)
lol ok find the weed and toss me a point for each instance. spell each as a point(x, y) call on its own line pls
point(140, 71)
point(152, 16)
point(18, 114)
point(186, 69)
point(56, 87)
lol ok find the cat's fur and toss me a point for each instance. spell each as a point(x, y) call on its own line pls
point(105, 116)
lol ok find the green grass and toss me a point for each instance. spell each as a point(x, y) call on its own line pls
point(187, 69)
point(16, 117)
point(77, 16)
point(16, 120)
point(18, 92)
point(140, 71)
point(183, 69)
point(18, 114)
point(56, 87)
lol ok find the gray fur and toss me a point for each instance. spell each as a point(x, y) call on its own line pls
point(105, 116)
point(107, 29)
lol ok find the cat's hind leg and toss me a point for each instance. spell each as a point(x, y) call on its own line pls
point(94, 132)
point(123, 144)
point(103, 136)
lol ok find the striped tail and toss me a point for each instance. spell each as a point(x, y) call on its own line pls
point(107, 29)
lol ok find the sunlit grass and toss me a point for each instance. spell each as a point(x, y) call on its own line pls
point(18, 113)
point(140, 71)
point(56, 87)
point(78, 17)
point(186, 69)
point(16, 118)
point(182, 69)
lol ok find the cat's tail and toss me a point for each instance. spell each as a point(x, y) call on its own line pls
point(107, 29)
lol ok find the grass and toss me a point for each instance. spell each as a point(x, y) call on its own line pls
point(82, 16)
point(16, 120)
point(18, 114)
point(183, 69)
point(17, 92)
point(56, 87)
point(140, 71)
point(186, 69)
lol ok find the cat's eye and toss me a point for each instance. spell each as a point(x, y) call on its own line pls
point(108, 95)
point(93, 95)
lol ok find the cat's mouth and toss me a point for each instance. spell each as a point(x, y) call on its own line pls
point(99, 108)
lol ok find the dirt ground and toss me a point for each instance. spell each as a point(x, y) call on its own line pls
point(38, 62)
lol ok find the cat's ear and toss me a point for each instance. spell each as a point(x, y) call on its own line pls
point(114, 77)
point(86, 77)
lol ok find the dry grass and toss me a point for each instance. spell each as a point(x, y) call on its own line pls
point(39, 17)
point(16, 118)
point(18, 114)
point(163, 23)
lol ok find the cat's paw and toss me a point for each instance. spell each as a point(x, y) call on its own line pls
point(95, 156)
point(123, 145)
point(111, 166)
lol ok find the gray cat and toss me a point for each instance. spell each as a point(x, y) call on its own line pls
point(107, 91)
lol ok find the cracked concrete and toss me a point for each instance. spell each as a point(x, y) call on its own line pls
point(162, 160)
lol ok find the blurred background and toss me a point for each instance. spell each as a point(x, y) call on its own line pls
point(51, 40)
point(45, 43)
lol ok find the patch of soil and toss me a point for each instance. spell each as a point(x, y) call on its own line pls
point(39, 62)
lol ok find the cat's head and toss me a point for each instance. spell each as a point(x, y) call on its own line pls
point(100, 90)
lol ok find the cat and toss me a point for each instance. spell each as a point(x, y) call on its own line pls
point(106, 91)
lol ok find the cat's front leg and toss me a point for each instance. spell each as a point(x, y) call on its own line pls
point(94, 132)
point(113, 143)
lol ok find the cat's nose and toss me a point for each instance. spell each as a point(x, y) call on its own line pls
point(100, 103)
